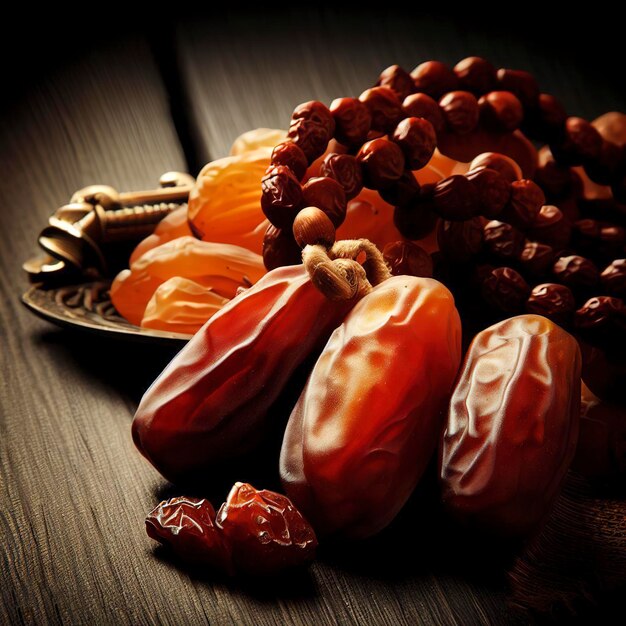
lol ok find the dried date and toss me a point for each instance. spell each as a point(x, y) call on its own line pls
point(512, 425)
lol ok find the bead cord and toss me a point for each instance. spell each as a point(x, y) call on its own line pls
point(339, 273)
point(393, 128)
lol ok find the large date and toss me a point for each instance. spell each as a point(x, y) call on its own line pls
point(512, 425)
point(368, 420)
point(212, 401)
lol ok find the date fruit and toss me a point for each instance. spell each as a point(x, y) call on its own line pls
point(512, 425)
point(254, 533)
point(187, 527)
point(367, 422)
point(267, 534)
point(211, 402)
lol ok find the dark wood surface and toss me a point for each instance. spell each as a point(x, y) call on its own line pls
point(73, 490)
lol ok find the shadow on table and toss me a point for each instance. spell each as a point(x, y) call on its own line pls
point(294, 585)
point(126, 366)
point(419, 542)
point(423, 541)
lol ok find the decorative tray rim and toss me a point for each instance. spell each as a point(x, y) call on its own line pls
point(87, 307)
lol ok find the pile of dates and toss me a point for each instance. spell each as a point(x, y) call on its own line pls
point(511, 248)
point(384, 396)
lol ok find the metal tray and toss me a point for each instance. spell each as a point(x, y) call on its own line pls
point(88, 307)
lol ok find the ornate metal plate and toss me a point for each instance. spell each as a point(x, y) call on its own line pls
point(88, 307)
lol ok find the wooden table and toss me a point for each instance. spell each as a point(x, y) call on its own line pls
point(73, 490)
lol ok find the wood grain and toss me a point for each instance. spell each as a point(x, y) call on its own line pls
point(251, 70)
point(73, 490)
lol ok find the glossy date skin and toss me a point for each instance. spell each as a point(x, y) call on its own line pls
point(267, 534)
point(367, 422)
point(211, 402)
point(186, 526)
point(512, 425)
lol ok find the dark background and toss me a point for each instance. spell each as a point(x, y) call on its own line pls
point(118, 94)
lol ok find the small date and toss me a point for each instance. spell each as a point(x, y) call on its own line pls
point(266, 532)
point(187, 527)
point(255, 532)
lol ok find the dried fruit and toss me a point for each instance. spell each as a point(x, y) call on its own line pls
point(180, 305)
point(328, 195)
point(218, 266)
point(384, 106)
point(312, 127)
point(267, 534)
point(211, 403)
point(257, 138)
point(524, 205)
point(398, 80)
point(493, 190)
point(501, 163)
point(187, 527)
point(170, 227)
point(291, 156)
point(576, 272)
point(536, 259)
point(366, 424)
point(416, 136)
point(280, 248)
point(346, 170)
point(382, 162)
point(408, 259)
point(254, 533)
point(512, 425)
point(503, 240)
point(613, 278)
point(476, 75)
point(501, 111)
point(455, 198)
point(520, 83)
point(225, 203)
point(460, 110)
point(434, 78)
point(282, 196)
point(505, 290)
point(460, 242)
point(556, 302)
point(422, 105)
point(353, 121)
point(551, 227)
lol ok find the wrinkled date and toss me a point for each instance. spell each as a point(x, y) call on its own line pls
point(512, 425)
point(280, 248)
point(254, 533)
point(267, 534)
point(367, 422)
point(187, 527)
point(345, 169)
point(460, 242)
point(353, 121)
point(384, 106)
point(407, 258)
point(327, 195)
point(416, 136)
point(281, 196)
point(382, 162)
point(211, 402)
point(493, 189)
point(312, 127)
point(556, 302)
